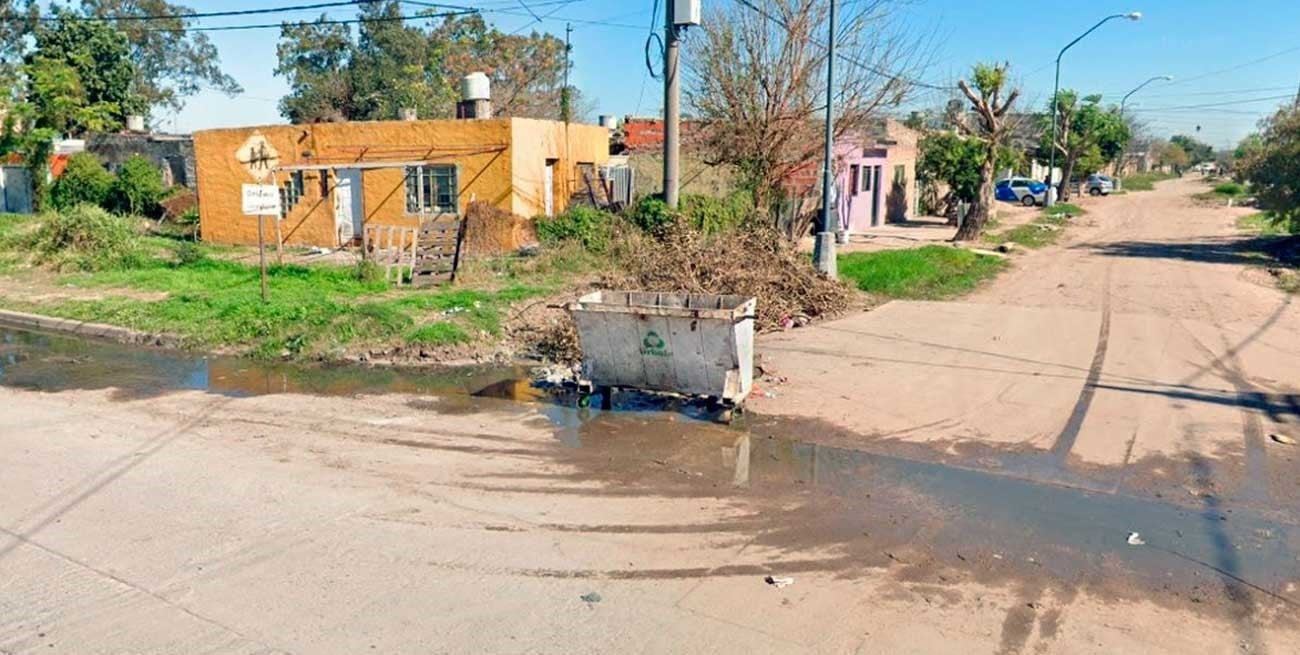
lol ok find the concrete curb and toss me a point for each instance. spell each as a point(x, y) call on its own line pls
point(84, 329)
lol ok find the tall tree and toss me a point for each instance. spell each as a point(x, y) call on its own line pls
point(990, 100)
point(1272, 166)
point(79, 76)
point(1088, 136)
point(171, 63)
point(12, 43)
point(756, 80)
point(1196, 151)
point(390, 64)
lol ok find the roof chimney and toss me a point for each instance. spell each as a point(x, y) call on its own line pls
point(476, 94)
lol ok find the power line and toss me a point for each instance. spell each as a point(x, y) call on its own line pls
point(852, 60)
point(1236, 66)
point(328, 21)
point(649, 70)
point(582, 21)
point(193, 15)
point(1222, 104)
point(1212, 93)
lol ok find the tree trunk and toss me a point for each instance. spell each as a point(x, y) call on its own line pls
point(979, 209)
point(1066, 173)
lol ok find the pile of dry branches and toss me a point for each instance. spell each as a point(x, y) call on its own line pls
point(755, 262)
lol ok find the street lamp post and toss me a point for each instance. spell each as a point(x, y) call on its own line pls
point(1167, 78)
point(1056, 89)
point(1123, 158)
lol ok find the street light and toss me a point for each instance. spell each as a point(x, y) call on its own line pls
point(1167, 78)
point(1056, 89)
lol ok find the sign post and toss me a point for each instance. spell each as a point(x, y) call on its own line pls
point(261, 200)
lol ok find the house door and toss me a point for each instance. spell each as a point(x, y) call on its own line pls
point(548, 187)
point(874, 177)
point(347, 204)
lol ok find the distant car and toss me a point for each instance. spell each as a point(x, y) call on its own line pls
point(1100, 185)
point(1022, 190)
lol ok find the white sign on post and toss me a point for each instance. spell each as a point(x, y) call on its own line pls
point(261, 200)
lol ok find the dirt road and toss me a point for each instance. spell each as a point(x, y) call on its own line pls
point(1145, 334)
point(146, 509)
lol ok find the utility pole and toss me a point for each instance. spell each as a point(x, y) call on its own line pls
point(565, 98)
point(672, 106)
point(824, 254)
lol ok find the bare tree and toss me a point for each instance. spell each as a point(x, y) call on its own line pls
point(991, 127)
point(756, 80)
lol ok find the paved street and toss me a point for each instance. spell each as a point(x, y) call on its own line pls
point(969, 487)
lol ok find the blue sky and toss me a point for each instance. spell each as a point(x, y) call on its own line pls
point(1213, 48)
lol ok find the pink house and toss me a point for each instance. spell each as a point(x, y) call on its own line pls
point(876, 176)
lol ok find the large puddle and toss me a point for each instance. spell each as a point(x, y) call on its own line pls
point(40, 361)
point(867, 506)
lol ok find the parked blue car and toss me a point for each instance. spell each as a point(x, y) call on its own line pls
point(1022, 190)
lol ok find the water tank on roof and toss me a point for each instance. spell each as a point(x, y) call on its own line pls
point(135, 123)
point(476, 86)
point(608, 122)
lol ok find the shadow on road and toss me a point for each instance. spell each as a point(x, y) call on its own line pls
point(1210, 250)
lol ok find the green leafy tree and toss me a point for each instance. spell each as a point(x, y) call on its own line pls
point(1170, 155)
point(954, 161)
point(388, 65)
point(13, 31)
point(1088, 136)
point(990, 100)
point(79, 76)
point(1196, 151)
point(84, 180)
point(138, 187)
point(1272, 167)
point(170, 62)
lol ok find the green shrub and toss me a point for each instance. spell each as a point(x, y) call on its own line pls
point(87, 238)
point(188, 252)
point(1229, 189)
point(85, 180)
point(712, 215)
point(138, 188)
point(650, 214)
point(586, 225)
point(368, 272)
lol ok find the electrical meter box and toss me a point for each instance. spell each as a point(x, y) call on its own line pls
point(686, 12)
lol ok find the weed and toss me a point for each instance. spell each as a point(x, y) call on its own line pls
point(87, 238)
point(1144, 181)
point(586, 225)
point(1064, 209)
point(927, 273)
point(441, 333)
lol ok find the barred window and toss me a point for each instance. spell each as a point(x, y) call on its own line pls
point(431, 189)
point(291, 192)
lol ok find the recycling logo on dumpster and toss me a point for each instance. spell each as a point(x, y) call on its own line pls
point(653, 344)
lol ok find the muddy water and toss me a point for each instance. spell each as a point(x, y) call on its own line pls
point(996, 517)
point(34, 360)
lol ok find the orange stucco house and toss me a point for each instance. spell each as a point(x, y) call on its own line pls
point(335, 179)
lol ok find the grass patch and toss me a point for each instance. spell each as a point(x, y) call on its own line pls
point(1064, 210)
point(442, 333)
point(178, 288)
point(1265, 224)
point(1042, 232)
point(1144, 181)
point(927, 273)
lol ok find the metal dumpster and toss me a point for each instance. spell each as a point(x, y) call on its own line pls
point(693, 344)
